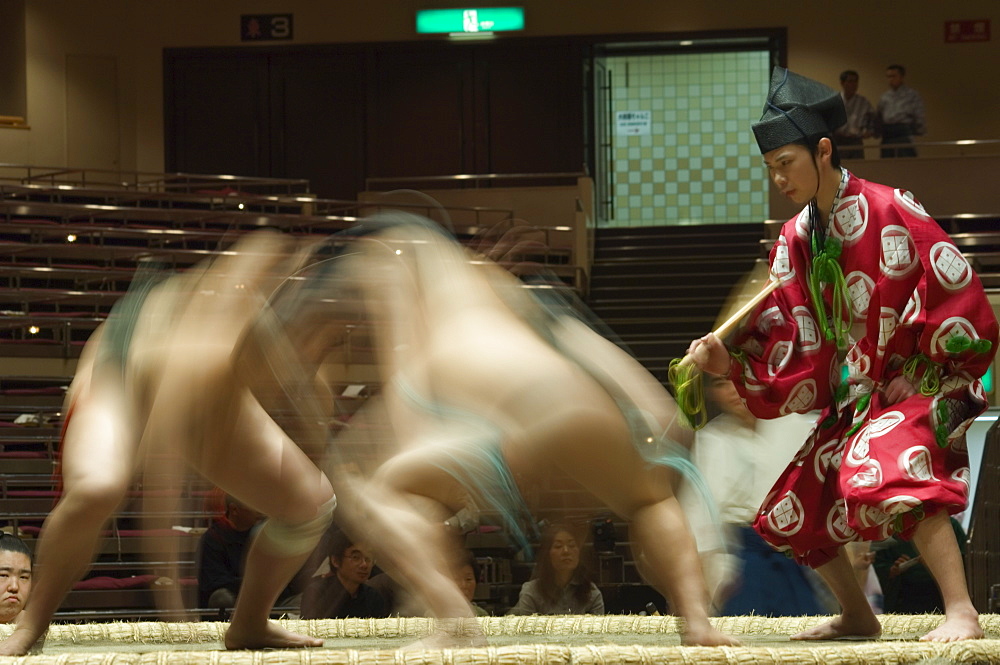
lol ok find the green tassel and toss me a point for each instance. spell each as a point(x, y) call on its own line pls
point(689, 392)
point(862, 403)
point(841, 393)
point(982, 346)
point(957, 344)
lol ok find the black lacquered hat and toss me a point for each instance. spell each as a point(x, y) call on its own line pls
point(797, 108)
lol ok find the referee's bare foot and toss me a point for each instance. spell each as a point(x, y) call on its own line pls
point(272, 636)
point(959, 624)
point(863, 626)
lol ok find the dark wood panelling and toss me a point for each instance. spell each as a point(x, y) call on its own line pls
point(318, 121)
point(217, 114)
point(534, 109)
point(420, 116)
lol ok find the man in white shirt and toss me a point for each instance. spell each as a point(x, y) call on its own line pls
point(900, 114)
point(741, 457)
point(860, 118)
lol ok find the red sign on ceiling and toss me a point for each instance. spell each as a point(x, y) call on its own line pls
point(967, 31)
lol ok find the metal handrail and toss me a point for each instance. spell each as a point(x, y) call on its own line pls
point(472, 177)
point(963, 145)
point(145, 180)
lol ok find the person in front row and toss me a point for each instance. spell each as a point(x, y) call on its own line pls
point(343, 593)
point(561, 584)
point(740, 457)
point(221, 552)
point(872, 289)
point(15, 577)
point(467, 575)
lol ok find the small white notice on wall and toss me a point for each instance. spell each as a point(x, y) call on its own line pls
point(633, 123)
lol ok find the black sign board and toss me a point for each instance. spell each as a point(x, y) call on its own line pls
point(260, 27)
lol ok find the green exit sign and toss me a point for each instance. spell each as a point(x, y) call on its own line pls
point(488, 19)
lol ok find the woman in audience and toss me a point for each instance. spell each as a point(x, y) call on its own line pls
point(466, 576)
point(561, 584)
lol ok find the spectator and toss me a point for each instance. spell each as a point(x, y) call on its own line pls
point(15, 577)
point(343, 592)
point(900, 114)
point(741, 457)
point(561, 585)
point(401, 602)
point(221, 552)
point(860, 118)
point(467, 575)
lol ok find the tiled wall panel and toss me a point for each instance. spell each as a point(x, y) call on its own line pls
point(698, 163)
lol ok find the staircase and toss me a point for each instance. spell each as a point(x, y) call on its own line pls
point(658, 288)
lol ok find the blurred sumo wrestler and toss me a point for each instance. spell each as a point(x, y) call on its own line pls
point(481, 382)
point(168, 373)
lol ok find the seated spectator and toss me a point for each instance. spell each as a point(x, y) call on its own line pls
point(402, 603)
point(221, 553)
point(740, 457)
point(467, 575)
point(561, 585)
point(343, 592)
point(15, 577)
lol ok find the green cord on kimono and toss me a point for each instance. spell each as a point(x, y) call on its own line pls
point(930, 380)
point(826, 270)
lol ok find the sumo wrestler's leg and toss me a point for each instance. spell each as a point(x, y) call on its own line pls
point(251, 458)
point(592, 443)
point(403, 510)
point(98, 455)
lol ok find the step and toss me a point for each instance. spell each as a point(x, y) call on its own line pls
point(694, 326)
point(679, 231)
point(657, 309)
point(735, 267)
point(669, 250)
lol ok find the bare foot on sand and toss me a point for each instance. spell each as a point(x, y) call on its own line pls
point(958, 625)
point(706, 635)
point(844, 626)
point(271, 637)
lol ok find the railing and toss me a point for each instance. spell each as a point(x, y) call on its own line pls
point(955, 149)
point(142, 181)
point(476, 179)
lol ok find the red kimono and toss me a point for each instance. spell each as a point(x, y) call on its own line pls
point(869, 469)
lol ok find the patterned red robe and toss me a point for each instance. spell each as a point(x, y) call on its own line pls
point(869, 469)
